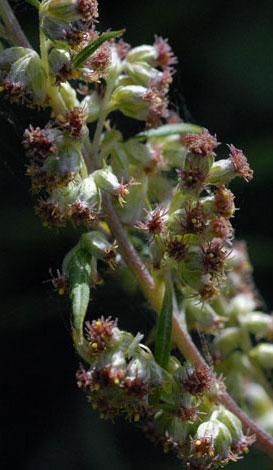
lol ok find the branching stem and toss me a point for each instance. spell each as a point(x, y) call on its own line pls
point(181, 337)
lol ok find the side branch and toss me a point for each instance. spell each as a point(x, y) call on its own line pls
point(181, 337)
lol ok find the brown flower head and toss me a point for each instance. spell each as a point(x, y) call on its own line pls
point(197, 380)
point(240, 163)
point(214, 257)
point(15, 91)
point(74, 122)
point(156, 223)
point(221, 228)
point(165, 56)
point(200, 144)
point(99, 333)
point(208, 292)
point(156, 97)
point(88, 9)
point(224, 202)
point(203, 446)
point(51, 213)
point(176, 248)
point(121, 47)
point(192, 179)
point(81, 213)
point(39, 143)
point(194, 220)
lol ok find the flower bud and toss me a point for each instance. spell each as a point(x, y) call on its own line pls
point(69, 95)
point(258, 323)
point(92, 104)
point(58, 58)
point(217, 438)
point(258, 400)
point(69, 156)
point(263, 353)
point(12, 54)
point(142, 74)
point(105, 179)
point(143, 53)
point(97, 245)
point(129, 100)
point(29, 72)
point(203, 317)
point(228, 340)
point(88, 191)
point(70, 10)
point(222, 172)
point(233, 424)
point(241, 304)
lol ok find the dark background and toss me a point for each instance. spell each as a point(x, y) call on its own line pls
point(224, 82)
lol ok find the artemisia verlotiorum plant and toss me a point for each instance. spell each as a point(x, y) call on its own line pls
point(157, 203)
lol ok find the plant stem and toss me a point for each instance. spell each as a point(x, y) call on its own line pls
point(13, 28)
point(181, 337)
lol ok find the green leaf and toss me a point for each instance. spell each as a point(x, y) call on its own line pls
point(164, 328)
point(89, 50)
point(79, 277)
point(169, 129)
point(34, 3)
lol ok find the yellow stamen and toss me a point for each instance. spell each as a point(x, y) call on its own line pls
point(94, 406)
point(193, 221)
point(61, 291)
point(94, 346)
point(137, 417)
point(198, 442)
point(102, 416)
point(97, 387)
point(116, 381)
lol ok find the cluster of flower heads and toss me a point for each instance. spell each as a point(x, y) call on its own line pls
point(169, 191)
point(176, 407)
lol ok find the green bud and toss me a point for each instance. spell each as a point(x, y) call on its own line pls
point(233, 424)
point(201, 316)
point(28, 71)
point(96, 244)
point(258, 401)
point(69, 95)
point(142, 73)
point(263, 353)
point(70, 156)
point(64, 10)
point(12, 54)
point(88, 191)
point(138, 153)
point(241, 304)
point(128, 100)
point(219, 435)
point(141, 54)
point(57, 59)
point(106, 180)
point(222, 172)
point(258, 323)
point(228, 340)
point(92, 105)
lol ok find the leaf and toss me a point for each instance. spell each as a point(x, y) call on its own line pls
point(79, 277)
point(34, 3)
point(169, 129)
point(164, 328)
point(89, 50)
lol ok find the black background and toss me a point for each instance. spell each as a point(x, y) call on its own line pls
point(224, 82)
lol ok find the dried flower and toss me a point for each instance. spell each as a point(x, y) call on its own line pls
point(224, 202)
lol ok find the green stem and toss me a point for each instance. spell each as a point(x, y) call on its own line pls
point(13, 29)
point(102, 116)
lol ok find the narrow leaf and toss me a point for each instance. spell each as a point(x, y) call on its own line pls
point(79, 277)
point(89, 50)
point(164, 328)
point(34, 3)
point(169, 129)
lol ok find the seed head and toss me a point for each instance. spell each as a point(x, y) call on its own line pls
point(214, 257)
point(51, 213)
point(197, 380)
point(88, 9)
point(176, 248)
point(73, 122)
point(156, 223)
point(222, 228)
